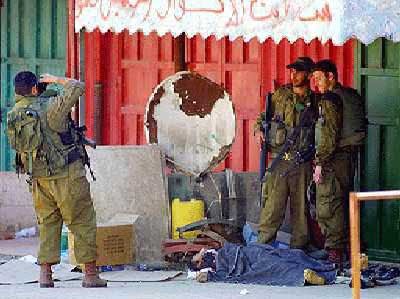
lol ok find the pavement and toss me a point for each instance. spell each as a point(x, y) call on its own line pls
point(19, 247)
point(181, 288)
point(178, 288)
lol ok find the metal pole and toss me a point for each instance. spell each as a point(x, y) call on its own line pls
point(355, 244)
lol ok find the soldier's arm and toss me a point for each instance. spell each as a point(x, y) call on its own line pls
point(329, 132)
point(261, 116)
point(60, 106)
point(276, 101)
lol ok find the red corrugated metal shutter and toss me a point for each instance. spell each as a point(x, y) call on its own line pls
point(130, 66)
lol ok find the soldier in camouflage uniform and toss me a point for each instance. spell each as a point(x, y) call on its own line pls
point(339, 129)
point(61, 192)
point(288, 104)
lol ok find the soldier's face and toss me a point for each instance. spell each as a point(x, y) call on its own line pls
point(298, 78)
point(321, 81)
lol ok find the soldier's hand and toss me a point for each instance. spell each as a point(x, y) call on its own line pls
point(317, 176)
point(47, 78)
point(259, 136)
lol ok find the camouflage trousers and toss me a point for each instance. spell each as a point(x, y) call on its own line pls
point(276, 191)
point(332, 201)
point(65, 198)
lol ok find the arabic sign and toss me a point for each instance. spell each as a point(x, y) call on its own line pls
point(292, 19)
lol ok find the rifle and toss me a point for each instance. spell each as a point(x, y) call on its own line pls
point(265, 127)
point(83, 140)
point(307, 119)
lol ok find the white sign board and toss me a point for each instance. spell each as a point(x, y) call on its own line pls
point(337, 20)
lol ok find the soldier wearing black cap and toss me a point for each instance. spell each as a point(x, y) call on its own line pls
point(289, 103)
point(339, 130)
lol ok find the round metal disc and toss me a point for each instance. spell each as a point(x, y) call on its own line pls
point(193, 120)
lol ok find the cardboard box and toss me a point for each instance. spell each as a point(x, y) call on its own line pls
point(115, 245)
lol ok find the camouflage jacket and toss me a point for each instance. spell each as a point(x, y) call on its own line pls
point(284, 105)
point(328, 127)
point(55, 124)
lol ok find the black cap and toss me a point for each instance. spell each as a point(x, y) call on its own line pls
point(326, 66)
point(25, 79)
point(302, 64)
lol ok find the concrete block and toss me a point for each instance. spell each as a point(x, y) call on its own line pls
point(130, 179)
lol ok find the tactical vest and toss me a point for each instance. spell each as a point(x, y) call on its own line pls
point(354, 121)
point(287, 117)
point(43, 151)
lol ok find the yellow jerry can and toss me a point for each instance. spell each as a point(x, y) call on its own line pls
point(186, 212)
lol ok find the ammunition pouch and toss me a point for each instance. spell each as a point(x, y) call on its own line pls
point(277, 134)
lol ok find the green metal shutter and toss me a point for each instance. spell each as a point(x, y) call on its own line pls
point(378, 78)
point(33, 37)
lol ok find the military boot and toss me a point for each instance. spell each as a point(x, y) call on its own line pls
point(46, 279)
point(91, 278)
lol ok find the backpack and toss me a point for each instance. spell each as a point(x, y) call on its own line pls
point(24, 128)
point(354, 121)
point(25, 134)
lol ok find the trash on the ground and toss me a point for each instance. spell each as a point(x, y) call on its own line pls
point(191, 275)
point(25, 270)
point(244, 292)
point(6, 236)
point(26, 233)
point(18, 272)
point(150, 266)
point(109, 268)
point(342, 280)
point(63, 272)
point(139, 276)
point(28, 258)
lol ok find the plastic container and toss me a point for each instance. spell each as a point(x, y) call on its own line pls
point(64, 238)
point(186, 212)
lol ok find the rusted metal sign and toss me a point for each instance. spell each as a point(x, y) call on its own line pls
point(192, 119)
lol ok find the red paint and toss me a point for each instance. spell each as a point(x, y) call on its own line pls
point(130, 66)
point(90, 74)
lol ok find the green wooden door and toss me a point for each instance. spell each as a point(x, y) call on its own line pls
point(33, 37)
point(378, 79)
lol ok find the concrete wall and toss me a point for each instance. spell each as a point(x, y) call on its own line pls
point(16, 207)
point(130, 180)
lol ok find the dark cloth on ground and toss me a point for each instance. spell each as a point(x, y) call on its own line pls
point(263, 264)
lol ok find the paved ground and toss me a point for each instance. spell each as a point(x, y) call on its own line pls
point(184, 289)
point(179, 288)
